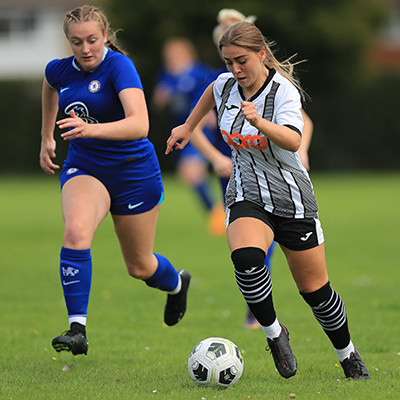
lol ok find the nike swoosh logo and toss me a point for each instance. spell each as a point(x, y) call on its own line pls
point(69, 283)
point(63, 89)
point(132, 206)
point(231, 107)
point(306, 237)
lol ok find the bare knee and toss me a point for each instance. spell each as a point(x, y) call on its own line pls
point(141, 268)
point(192, 172)
point(77, 235)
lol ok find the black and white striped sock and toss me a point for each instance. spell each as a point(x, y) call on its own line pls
point(329, 310)
point(254, 281)
point(255, 284)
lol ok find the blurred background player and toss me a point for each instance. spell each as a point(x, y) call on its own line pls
point(177, 88)
point(218, 152)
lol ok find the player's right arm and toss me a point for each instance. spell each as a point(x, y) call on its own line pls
point(221, 164)
point(181, 134)
point(49, 116)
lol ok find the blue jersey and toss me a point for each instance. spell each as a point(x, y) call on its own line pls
point(94, 98)
point(184, 89)
point(210, 78)
point(213, 134)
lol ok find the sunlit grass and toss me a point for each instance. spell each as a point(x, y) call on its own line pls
point(133, 356)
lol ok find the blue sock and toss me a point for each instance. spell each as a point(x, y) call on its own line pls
point(203, 190)
point(267, 261)
point(224, 184)
point(166, 277)
point(76, 278)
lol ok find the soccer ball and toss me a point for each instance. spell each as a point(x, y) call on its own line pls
point(215, 362)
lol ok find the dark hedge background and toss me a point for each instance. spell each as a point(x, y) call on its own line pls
point(354, 103)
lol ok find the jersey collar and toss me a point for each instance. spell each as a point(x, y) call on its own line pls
point(75, 65)
point(259, 91)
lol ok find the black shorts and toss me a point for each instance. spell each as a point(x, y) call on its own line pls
point(293, 233)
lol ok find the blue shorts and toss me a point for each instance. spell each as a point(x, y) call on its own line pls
point(189, 151)
point(128, 194)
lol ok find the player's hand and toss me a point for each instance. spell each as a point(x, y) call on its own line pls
point(47, 152)
point(223, 166)
point(77, 128)
point(178, 139)
point(304, 159)
point(250, 112)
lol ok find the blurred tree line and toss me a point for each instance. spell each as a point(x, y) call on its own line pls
point(352, 104)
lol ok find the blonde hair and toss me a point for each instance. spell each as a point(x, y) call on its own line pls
point(247, 35)
point(90, 13)
point(227, 17)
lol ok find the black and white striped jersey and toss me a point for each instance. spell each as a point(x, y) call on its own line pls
point(263, 172)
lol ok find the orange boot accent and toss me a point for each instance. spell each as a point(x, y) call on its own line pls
point(216, 223)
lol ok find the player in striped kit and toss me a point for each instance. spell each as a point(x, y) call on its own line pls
point(111, 167)
point(269, 195)
point(219, 154)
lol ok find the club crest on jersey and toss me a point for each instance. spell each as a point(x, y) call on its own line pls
point(94, 86)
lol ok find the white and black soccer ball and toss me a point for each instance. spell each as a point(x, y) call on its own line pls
point(215, 362)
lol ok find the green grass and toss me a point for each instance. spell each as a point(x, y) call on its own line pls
point(133, 356)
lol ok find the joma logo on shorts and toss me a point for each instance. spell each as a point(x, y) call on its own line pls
point(237, 140)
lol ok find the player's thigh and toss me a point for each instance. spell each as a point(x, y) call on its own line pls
point(192, 169)
point(85, 204)
point(308, 267)
point(136, 234)
point(249, 232)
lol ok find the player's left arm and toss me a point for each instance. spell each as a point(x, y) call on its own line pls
point(134, 126)
point(308, 130)
point(286, 131)
point(281, 135)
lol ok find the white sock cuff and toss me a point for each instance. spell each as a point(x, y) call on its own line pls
point(345, 353)
point(77, 318)
point(274, 330)
point(178, 286)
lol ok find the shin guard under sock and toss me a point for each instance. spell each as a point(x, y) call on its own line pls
point(166, 277)
point(328, 309)
point(76, 278)
point(254, 282)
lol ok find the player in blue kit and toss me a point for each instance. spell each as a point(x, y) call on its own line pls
point(111, 167)
point(177, 86)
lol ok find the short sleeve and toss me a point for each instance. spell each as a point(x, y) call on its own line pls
point(51, 73)
point(124, 74)
point(288, 108)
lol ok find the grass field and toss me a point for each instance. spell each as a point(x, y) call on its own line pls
point(133, 356)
